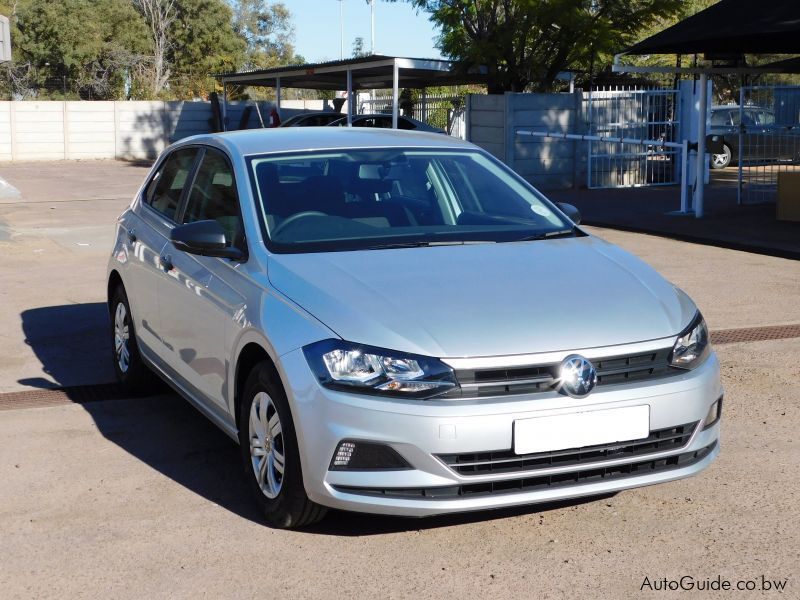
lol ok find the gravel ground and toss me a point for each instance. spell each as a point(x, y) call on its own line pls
point(143, 498)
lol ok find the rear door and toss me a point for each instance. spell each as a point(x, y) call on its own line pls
point(199, 300)
point(148, 233)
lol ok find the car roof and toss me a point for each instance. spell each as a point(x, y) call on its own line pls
point(315, 113)
point(288, 139)
point(736, 107)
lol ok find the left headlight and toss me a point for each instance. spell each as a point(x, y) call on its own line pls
point(692, 345)
point(368, 370)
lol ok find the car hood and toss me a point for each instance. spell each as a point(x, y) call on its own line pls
point(485, 299)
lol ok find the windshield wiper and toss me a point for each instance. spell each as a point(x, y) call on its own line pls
point(550, 235)
point(421, 243)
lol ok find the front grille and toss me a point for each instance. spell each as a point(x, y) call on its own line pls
point(542, 378)
point(505, 461)
point(540, 483)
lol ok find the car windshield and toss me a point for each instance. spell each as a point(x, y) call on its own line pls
point(357, 199)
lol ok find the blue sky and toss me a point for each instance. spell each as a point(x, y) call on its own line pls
point(398, 29)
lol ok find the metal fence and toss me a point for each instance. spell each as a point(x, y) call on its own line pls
point(643, 114)
point(768, 141)
point(445, 111)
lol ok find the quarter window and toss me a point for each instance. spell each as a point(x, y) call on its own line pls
point(213, 196)
point(164, 191)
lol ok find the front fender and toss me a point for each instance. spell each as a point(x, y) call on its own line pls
point(278, 326)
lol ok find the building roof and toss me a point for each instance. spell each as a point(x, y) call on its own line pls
point(369, 72)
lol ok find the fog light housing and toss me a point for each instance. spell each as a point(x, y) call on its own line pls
point(352, 455)
point(714, 414)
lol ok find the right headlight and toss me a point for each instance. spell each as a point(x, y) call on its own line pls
point(361, 369)
point(692, 345)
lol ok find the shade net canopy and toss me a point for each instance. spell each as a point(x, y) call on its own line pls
point(731, 27)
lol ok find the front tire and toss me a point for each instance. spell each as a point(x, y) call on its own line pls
point(133, 375)
point(270, 453)
point(721, 161)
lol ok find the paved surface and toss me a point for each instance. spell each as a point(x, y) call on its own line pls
point(143, 498)
point(752, 227)
point(53, 251)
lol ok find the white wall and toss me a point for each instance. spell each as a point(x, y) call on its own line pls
point(55, 130)
point(492, 123)
point(5, 131)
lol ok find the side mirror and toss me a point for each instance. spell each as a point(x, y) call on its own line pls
point(206, 238)
point(571, 211)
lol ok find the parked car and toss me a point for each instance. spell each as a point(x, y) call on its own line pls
point(397, 323)
point(385, 121)
point(764, 141)
point(312, 119)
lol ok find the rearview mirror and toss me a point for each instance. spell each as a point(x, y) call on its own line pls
point(206, 238)
point(571, 211)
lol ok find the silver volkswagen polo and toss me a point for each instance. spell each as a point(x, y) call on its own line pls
point(395, 322)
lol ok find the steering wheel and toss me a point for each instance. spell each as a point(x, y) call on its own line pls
point(296, 217)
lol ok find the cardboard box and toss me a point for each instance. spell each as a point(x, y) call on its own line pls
point(788, 208)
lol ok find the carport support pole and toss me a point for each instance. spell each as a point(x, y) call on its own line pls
point(224, 106)
point(395, 93)
point(685, 177)
point(349, 98)
point(740, 177)
point(278, 96)
point(701, 147)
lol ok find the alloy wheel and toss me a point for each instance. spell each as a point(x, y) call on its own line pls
point(121, 338)
point(267, 452)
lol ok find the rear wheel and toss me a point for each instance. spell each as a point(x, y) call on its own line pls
point(270, 454)
point(132, 373)
point(720, 161)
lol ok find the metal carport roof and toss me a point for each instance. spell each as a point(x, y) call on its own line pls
point(369, 72)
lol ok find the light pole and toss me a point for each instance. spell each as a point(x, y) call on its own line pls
point(372, 25)
point(341, 29)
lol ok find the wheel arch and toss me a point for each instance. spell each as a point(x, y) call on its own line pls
point(251, 354)
point(114, 281)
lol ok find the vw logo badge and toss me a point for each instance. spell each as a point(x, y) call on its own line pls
point(577, 376)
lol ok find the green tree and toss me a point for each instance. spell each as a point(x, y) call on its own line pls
point(267, 29)
point(203, 42)
point(358, 48)
point(526, 43)
point(75, 47)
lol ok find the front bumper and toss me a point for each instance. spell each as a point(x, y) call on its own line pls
point(422, 431)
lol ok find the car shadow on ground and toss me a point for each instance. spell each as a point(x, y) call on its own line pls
point(73, 343)
point(166, 433)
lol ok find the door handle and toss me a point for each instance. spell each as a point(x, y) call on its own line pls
point(131, 236)
point(166, 262)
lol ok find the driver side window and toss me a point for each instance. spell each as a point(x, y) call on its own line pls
point(213, 196)
point(164, 190)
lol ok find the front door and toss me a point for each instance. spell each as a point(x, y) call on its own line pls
point(198, 300)
point(147, 233)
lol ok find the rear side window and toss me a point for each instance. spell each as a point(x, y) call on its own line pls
point(213, 196)
point(164, 191)
point(720, 118)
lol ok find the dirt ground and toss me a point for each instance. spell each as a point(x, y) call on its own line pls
point(144, 498)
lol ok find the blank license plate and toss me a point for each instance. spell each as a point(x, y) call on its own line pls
point(575, 430)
